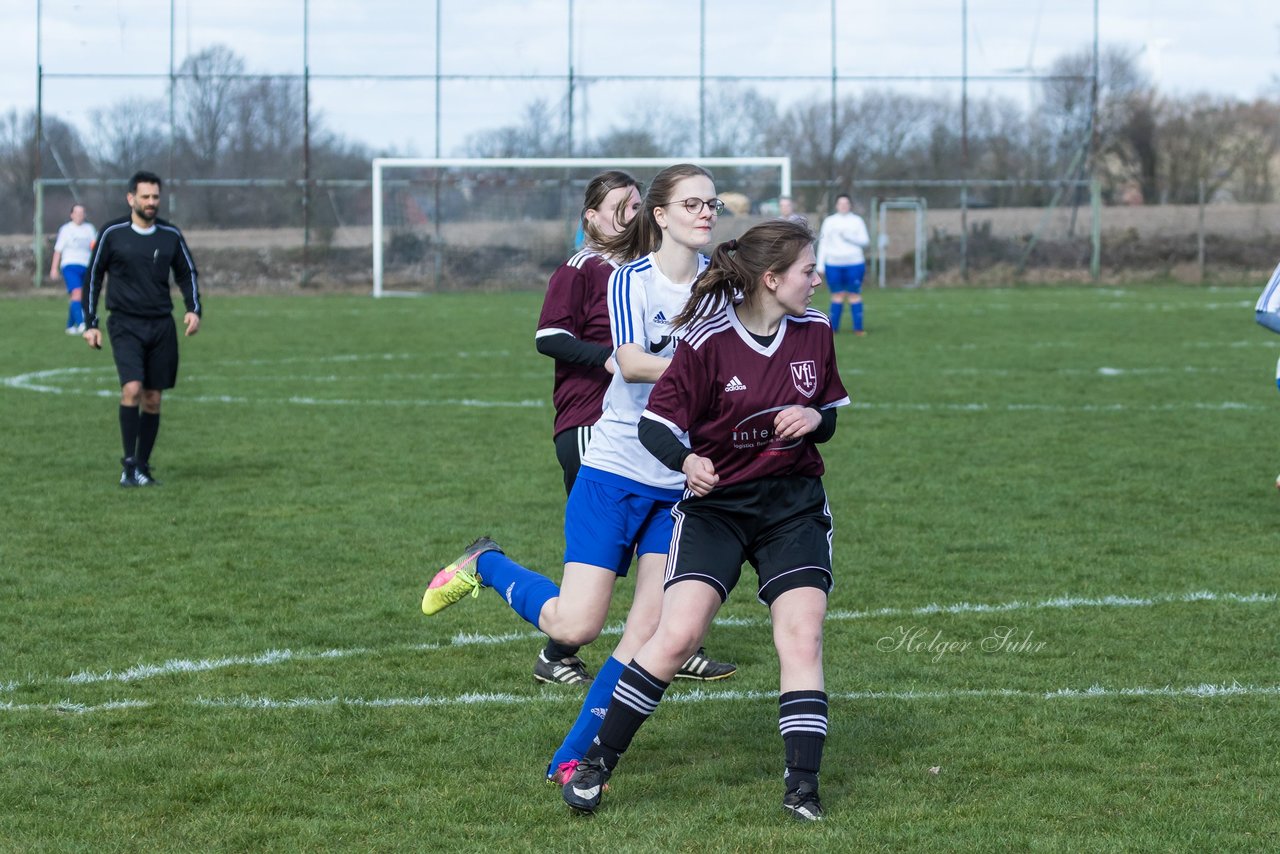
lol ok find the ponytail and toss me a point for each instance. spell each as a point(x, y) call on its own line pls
point(738, 267)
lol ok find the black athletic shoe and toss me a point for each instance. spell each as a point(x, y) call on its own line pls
point(803, 804)
point(584, 788)
point(565, 671)
point(142, 476)
point(128, 473)
point(700, 667)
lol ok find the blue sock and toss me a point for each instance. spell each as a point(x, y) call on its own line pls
point(837, 309)
point(523, 589)
point(77, 312)
point(856, 311)
point(584, 729)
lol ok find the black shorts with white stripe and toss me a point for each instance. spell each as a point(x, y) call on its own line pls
point(781, 525)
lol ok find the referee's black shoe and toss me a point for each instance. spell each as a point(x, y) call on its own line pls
point(142, 475)
point(704, 669)
point(128, 473)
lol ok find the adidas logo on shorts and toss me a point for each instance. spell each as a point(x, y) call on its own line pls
point(735, 384)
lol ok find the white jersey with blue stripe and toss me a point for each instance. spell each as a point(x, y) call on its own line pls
point(642, 305)
point(1269, 302)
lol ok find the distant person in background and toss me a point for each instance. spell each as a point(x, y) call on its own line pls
point(841, 261)
point(133, 259)
point(71, 253)
point(787, 211)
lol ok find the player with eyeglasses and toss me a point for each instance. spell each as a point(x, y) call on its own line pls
point(620, 504)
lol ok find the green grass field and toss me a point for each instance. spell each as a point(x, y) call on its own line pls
point(235, 661)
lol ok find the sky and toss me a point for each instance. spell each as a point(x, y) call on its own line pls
point(1231, 47)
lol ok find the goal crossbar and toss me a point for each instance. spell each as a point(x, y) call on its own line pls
point(783, 164)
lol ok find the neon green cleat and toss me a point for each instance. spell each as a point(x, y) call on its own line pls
point(456, 580)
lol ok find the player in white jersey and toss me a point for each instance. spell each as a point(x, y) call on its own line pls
point(620, 504)
point(841, 258)
point(1267, 312)
point(71, 253)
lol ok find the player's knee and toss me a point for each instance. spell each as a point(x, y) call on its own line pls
point(74, 296)
point(799, 644)
point(130, 394)
point(151, 401)
point(577, 632)
point(677, 643)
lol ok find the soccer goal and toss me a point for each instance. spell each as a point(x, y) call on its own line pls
point(447, 224)
point(883, 228)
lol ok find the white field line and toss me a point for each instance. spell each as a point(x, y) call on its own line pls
point(35, 381)
point(141, 672)
point(696, 695)
point(703, 695)
point(1100, 408)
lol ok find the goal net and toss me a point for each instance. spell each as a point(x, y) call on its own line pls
point(451, 224)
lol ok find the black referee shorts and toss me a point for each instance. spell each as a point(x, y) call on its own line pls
point(145, 349)
point(781, 525)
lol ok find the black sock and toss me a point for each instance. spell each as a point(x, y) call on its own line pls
point(802, 719)
point(129, 429)
point(635, 698)
point(148, 428)
point(554, 650)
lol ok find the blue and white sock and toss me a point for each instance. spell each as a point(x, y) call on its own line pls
point(584, 729)
point(837, 309)
point(856, 311)
point(75, 313)
point(523, 589)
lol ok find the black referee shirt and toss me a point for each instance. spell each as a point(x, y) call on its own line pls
point(137, 267)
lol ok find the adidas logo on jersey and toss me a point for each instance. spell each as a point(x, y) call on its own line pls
point(660, 317)
point(735, 384)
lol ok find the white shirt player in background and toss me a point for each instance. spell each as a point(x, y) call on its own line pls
point(71, 253)
point(620, 504)
point(841, 242)
point(1267, 313)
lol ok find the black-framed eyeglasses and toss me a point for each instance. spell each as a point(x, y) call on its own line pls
point(695, 205)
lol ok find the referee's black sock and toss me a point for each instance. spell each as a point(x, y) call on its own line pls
point(802, 719)
point(555, 651)
point(634, 700)
point(129, 429)
point(148, 429)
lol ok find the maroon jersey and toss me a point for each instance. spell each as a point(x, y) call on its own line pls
point(724, 389)
point(575, 304)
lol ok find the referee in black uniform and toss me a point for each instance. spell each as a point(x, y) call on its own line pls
point(134, 254)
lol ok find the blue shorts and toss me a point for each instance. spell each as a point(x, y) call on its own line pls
point(841, 279)
point(605, 524)
point(73, 275)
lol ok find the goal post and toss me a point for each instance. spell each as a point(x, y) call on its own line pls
point(493, 222)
